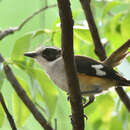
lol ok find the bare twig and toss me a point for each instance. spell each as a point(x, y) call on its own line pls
point(40, 107)
point(68, 56)
point(12, 30)
point(9, 116)
point(23, 96)
point(55, 123)
point(99, 50)
point(46, 2)
point(124, 97)
point(117, 56)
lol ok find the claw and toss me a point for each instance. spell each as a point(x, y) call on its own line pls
point(68, 98)
point(84, 100)
point(91, 100)
point(72, 119)
point(85, 117)
point(70, 116)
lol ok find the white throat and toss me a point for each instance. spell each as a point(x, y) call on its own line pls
point(47, 65)
point(55, 70)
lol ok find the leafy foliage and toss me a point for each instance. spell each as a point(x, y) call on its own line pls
point(2, 116)
point(1, 75)
point(107, 112)
point(21, 112)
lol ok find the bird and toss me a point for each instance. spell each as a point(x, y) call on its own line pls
point(94, 76)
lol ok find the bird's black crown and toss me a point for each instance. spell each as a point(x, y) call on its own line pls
point(51, 53)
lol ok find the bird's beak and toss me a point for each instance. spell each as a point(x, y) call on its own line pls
point(30, 54)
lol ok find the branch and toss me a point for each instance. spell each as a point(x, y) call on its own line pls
point(99, 49)
point(9, 116)
point(124, 97)
point(68, 56)
point(117, 56)
point(22, 94)
point(55, 124)
point(12, 30)
point(115, 59)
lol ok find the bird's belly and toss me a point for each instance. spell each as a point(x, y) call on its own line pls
point(57, 74)
point(61, 82)
point(87, 83)
point(91, 83)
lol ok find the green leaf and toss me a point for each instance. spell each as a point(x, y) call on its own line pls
point(77, 46)
point(125, 27)
point(82, 41)
point(21, 45)
point(116, 121)
point(40, 32)
point(57, 38)
point(101, 109)
point(63, 111)
point(128, 58)
point(21, 112)
point(113, 33)
point(49, 91)
point(97, 124)
point(109, 6)
point(2, 76)
point(82, 34)
point(115, 22)
point(105, 110)
point(2, 116)
point(124, 116)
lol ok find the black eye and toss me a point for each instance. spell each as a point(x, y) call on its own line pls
point(51, 54)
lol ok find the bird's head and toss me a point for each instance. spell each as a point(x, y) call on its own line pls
point(44, 55)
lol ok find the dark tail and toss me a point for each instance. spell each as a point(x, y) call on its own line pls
point(124, 82)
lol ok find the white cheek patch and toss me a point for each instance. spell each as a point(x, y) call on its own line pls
point(98, 68)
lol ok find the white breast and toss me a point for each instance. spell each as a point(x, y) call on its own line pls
point(57, 73)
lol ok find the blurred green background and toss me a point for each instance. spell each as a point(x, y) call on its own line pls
point(113, 22)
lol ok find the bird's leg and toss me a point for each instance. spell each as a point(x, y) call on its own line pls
point(91, 100)
point(95, 91)
point(72, 119)
point(68, 98)
point(83, 99)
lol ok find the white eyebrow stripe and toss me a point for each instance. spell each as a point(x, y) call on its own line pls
point(98, 68)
